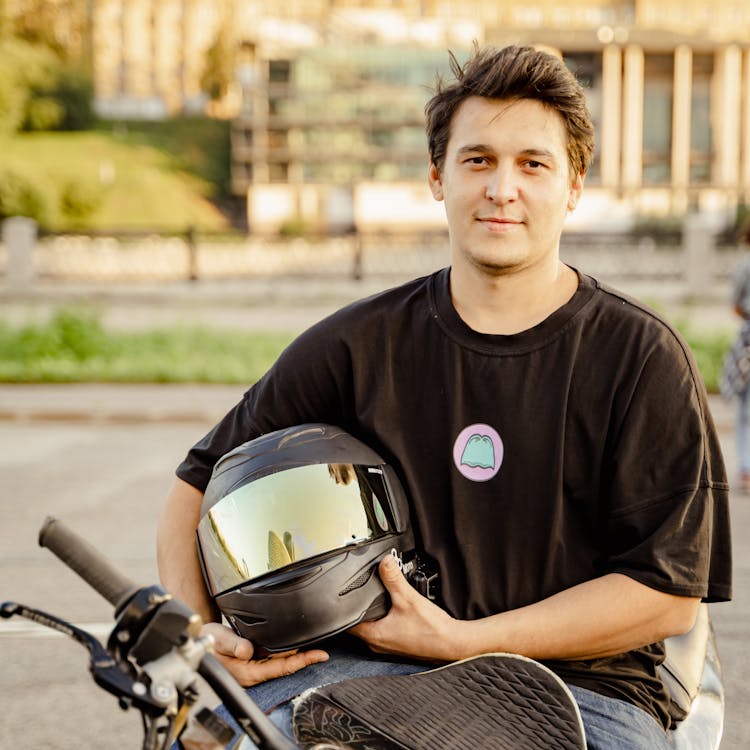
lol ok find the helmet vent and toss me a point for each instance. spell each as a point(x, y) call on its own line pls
point(247, 619)
point(358, 582)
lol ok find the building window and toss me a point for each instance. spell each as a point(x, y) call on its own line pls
point(587, 68)
point(657, 119)
point(701, 151)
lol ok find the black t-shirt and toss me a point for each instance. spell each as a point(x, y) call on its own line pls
point(533, 462)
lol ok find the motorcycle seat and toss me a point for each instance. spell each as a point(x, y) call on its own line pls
point(683, 666)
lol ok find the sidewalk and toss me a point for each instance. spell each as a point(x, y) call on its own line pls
point(134, 403)
point(117, 402)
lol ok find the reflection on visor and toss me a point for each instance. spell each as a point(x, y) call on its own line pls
point(290, 516)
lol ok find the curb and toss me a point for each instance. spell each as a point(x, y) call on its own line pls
point(123, 403)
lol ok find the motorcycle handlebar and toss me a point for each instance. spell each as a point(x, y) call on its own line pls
point(117, 589)
point(264, 733)
point(86, 561)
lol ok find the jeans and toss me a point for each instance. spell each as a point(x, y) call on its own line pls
point(743, 431)
point(610, 724)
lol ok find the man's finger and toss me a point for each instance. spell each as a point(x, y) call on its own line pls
point(277, 666)
point(392, 577)
point(228, 643)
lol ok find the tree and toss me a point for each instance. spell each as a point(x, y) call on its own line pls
point(218, 72)
point(60, 25)
point(45, 79)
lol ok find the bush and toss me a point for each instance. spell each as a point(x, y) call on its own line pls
point(44, 113)
point(79, 201)
point(20, 197)
point(25, 70)
point(71, 335)
point(38, 93)
point(12, 99)
point(294, 227)
point(74, 90)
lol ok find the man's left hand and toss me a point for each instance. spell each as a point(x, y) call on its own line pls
point(414, 626)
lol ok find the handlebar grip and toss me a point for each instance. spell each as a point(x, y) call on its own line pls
point(87, 561)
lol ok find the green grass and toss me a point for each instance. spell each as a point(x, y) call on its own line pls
point(709, 349)
point(73, 346)
point(156, 176)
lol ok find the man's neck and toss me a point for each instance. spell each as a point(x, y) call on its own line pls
point(513, 302)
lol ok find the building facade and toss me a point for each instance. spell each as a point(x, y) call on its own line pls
point(327, 96)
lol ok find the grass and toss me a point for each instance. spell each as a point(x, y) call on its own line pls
point(73, 346)
point(155, 176)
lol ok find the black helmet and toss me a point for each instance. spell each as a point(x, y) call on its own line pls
point(293, 525)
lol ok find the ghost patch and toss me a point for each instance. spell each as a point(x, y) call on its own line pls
point(478, 452)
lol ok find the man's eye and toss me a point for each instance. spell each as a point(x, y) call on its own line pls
point(476, 160)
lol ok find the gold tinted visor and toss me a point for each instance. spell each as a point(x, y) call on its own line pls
point(290, 516)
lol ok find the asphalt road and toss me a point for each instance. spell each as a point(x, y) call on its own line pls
point(106, 477)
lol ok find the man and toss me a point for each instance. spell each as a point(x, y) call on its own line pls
point(594, 517)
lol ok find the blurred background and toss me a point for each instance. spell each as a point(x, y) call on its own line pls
point(200, 119)
point(275, 152)
point(187, 184)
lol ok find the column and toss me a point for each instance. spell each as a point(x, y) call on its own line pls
point(726, 116)
point(137, 47)
point(106, 49)
point(632, 124)
point(745, 173)
point(191, 62)
point(166, 51)
point(609, 152)
point(681, 100)
point(19, 235)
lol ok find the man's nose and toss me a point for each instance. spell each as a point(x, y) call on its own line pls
point(501, 185)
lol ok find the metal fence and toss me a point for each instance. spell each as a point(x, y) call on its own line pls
point(694, 265)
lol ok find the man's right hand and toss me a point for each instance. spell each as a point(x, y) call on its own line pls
point(236, 654)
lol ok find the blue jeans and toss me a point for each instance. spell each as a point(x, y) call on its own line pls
point(610, 724)
point(743, 431)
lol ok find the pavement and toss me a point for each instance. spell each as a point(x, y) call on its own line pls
point(64, 443)
point(101, 457)
point(116, 403)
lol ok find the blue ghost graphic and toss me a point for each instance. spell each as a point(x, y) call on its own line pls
point(479, 452)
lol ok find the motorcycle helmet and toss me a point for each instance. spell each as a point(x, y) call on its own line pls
point(293, 525)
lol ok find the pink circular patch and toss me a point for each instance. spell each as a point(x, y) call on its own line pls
point(478, 452)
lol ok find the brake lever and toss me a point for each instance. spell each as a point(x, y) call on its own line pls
point(104, 669)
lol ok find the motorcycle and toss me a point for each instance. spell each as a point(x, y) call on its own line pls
point(155, 654)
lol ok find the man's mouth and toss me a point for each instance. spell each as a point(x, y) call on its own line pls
point(498, 221)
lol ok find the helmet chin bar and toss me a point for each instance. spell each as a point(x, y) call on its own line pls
point(320, 598)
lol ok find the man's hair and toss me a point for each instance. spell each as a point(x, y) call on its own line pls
point(513, 73)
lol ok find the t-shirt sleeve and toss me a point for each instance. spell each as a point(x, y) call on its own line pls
point(305, 384)
point(668, 521)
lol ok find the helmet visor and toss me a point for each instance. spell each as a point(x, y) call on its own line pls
point(289, 516)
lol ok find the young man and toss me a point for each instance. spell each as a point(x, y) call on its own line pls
point(601, 519)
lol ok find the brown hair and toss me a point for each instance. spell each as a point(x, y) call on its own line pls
point(513, 73)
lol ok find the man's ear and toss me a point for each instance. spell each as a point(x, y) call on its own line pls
point(575, 191)
point(436, 184)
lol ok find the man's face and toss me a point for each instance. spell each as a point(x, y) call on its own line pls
point(506, 184)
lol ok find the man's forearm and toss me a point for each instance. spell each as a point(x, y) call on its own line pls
point(602, 617)
point(177, 555)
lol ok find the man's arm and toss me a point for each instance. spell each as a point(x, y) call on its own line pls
point(180, 573)
point(602, 617)
point(176, 550)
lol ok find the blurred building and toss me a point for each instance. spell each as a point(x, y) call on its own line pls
point(327, 96)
